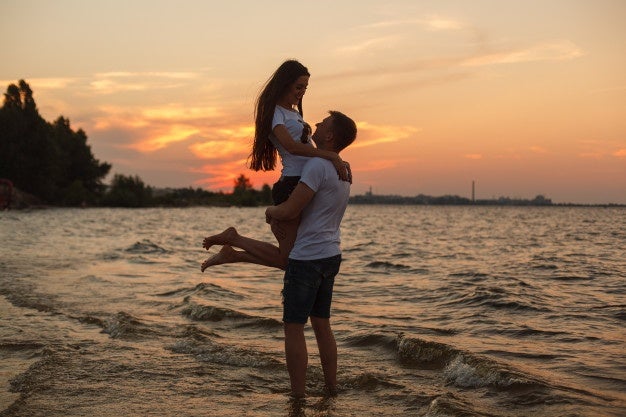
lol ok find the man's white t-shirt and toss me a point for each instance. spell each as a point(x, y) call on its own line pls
point(293, 122)
point(318, 233)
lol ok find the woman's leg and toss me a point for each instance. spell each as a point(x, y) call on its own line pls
point(228, 255)
point(254, 251)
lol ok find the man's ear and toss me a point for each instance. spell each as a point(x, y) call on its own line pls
point(330, 136)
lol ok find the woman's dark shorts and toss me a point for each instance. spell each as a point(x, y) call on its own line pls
point(283, 188)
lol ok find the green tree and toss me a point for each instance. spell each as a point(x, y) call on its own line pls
point(243, 193)
point(27, 156)
point(266, 195)
point(128, 191)
point(242, 185)
point(79, 174)
point(49, 160)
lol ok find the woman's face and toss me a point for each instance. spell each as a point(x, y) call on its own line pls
point(296, 91)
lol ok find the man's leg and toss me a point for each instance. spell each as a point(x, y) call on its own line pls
point(328, 351)
point(297, 357)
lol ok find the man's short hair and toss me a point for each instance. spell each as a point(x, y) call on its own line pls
point(344, 130)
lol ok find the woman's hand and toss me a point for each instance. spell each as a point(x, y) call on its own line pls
point(343, 169)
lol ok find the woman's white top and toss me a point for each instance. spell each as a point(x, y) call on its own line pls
point(293, 122)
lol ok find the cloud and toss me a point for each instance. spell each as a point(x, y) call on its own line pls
point(370, 44)
point(538, 149)
point(473, 156)
point(37, 84)
point(116, 82)
point(547, 51)
point(438, 23)
point(377, 165)
point(370, 135)
point(219, 149)
point(148, 74)
point(620, 153)
point(591, 155)
point(221, 176)
point(164, 137)
point(432, 22)
point(158, 127)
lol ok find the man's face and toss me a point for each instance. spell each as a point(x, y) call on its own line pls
point(322, 131)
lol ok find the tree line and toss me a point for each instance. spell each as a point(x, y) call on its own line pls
point(55, 164)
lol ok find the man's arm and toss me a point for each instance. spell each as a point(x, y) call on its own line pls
point(290, 209)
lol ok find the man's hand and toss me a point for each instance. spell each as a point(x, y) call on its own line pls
point(349, 170)
point(274, 223)
point(343, 169)
point(268, 215)
point(277, 229)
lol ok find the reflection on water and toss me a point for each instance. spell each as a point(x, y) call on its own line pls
point(438, 311)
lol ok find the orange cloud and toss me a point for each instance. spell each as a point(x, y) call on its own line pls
point(158, 127)
point(222, 176)
point(380, 165)
point(538, 149)
point(548, 51)
point(369, 134)
point(217, 149)
point(473, 156)
point(438, 23)
point(591, 155)
point(171, 134)
point(621, 153)
point(115, 82)
point(370, 44)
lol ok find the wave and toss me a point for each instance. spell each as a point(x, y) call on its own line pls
point(572, 278)
point(207, 351)
point(359, 247)
point(387, 265)
point(469, 274)
point(369, 381)
point(525, 331)
point(23, 296)
point(201, 289)
point(462, 369)
point(21, 346)
point(371, 340)
point(146, 247)
point(124, 326)
point(448, 405)
point(199, 312)
point(497, 298)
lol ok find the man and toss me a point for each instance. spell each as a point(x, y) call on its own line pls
point(320, 199)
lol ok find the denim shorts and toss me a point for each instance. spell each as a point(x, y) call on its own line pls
point(308, 288)
point(283, 188)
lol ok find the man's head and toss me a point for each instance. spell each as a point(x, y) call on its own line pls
point(335, 132)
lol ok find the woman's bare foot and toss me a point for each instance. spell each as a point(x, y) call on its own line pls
point(224, 256)
point(227, 237)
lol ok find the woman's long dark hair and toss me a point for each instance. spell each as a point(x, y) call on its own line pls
point(263, 156)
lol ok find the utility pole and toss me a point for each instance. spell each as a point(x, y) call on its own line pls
point(473, 192)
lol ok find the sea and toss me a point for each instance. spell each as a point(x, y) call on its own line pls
point(438, 311)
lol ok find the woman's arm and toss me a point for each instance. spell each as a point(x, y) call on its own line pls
point(301, 149)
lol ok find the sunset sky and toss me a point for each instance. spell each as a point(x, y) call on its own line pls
point(523, 97)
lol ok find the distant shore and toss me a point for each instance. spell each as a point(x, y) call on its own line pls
point(453, 200)
point(180, 198)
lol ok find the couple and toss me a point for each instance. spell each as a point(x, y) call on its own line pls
point(310, 199)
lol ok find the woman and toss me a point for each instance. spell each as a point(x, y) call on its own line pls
point(279, 129)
